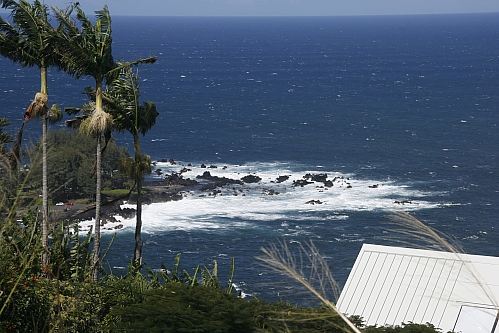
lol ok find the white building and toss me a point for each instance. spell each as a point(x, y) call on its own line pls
point(394, 285)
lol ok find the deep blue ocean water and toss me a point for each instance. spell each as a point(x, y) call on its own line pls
point(408, 103)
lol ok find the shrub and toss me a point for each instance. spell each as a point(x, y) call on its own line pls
point(24, 302)
point(180, 308)
point(404, 328)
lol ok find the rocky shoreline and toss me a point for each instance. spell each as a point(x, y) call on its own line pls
point(112, 208)
point(173, 187)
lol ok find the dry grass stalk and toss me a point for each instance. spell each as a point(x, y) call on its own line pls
point(430, 239)
point(281, 259)
point(424, 236)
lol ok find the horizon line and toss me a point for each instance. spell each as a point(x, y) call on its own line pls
point(2, 12)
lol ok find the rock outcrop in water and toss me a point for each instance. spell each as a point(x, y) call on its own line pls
point(216, 181)
point(320, 177)
point(281, 179)
point(249, 179)
point(177, 179)
point(301, 182)
point(314, 202)
point(173, 187)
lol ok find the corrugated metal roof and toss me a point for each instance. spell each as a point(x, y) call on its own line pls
point(394, 285)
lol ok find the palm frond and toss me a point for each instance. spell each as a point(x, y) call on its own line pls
point(31, 18)
point(148, 113)
point(7, 3)
point(122, 65)
point(85, 48)
point(122, 98)
point(9, 41)
point(103, 31)
point(35, 31)
point(67, 25)
point(87, 28)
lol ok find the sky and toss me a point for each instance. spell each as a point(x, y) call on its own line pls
point(282, 7)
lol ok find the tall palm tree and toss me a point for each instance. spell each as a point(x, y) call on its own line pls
point(29, 42)
point(85, 50)
point(123, 99)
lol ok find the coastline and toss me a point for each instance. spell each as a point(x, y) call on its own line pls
point(109, 210)
point(313, 188)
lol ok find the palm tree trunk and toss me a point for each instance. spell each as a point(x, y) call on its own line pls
point(137, 257)
point(45, 211)
point(45, 195)
point(98, 189)
point(138, 226)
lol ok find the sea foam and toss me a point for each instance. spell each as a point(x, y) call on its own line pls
point(235, 206)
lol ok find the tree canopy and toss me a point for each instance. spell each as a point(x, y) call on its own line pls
point(71, 165)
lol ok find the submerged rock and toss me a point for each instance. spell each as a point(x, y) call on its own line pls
point(314, 202)
point(270, 192)
point(301, 183)
point(320, 177)
point(217, 181)
point(281, 179)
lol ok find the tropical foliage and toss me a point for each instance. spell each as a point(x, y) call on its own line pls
point(122, 97)
point(168, 300)
point(5, 177)
point(404, 328)
point(86, 49)
point(5, 138)
point(30, 42)
point(71, 163)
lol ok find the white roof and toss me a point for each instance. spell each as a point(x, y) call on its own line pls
point(394, 285)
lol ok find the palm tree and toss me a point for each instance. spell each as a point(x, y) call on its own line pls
point(85, 50)
point(29, 42)
point(123, 99)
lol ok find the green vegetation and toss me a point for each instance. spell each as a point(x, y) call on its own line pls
point(404, 328)
point(116, 192)
point(71, 165)
point(169, 300)
point(123, 100)
point(30, 42)
point(4, 137)
point(85, 49)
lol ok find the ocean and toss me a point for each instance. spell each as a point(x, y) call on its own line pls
point(400, 112)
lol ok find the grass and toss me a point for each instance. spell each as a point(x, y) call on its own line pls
point(280, 259)
point(405, 228)
point(116, 192)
